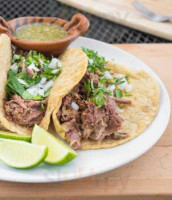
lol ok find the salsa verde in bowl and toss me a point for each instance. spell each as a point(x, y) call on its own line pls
point(40, 32)
point(77, 26)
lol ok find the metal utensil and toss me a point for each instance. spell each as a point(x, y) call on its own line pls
point(150, 14)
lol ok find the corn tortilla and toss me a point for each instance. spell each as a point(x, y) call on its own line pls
point(137, 116)
point(71, 74)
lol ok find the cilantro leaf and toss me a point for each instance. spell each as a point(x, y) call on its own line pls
point(96, 62)
point(37, 58)
point(49, 75)
point(17, 58)
point(28, 79)
point(87, 87)
point(14, 87)
point(98, 98)
point(28, 96)
point(118, 93)
point(127, 94)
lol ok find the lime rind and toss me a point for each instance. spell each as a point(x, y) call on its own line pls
point(14, 136)
point(59, 153)
point(15, 153)
point(65, 159)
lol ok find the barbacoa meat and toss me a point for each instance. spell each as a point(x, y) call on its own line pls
point(89, 121)
point(24, 112)
point(121, 101)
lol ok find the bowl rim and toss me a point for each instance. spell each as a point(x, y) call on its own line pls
point(34, 43)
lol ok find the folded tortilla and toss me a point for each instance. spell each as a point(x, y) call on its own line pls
point(137, 116)
point(74, 66)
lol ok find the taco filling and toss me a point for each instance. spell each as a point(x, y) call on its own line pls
point(91, 110)
point(30, 78)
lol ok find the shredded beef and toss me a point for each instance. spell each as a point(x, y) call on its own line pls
point(24, 112)
point(122, 101)
point(68, 113)
point(119, 135)
point(73, 135)
point(89, 121)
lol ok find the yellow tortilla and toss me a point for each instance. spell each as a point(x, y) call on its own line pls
point(71, 74)
point(74, 67)
point(137, 116)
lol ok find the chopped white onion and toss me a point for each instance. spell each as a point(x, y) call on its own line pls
point(54, 71)
point(32, 67)
point(14, 67)
point(53, 64)
point(41, 92)
point(41, 87)
point(59, 63)
point(32, 90)
point(111, 88)
point(129, 88)
point(43, 81)
point(74, 106)
point(123, 85)
point(119, 76)
point(22, 81)
point(91, 61)
point(107, 75)
point(48, 85)
point(119, 110)
point(36, 89)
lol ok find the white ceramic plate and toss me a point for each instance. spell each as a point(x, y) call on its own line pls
point(93, 162)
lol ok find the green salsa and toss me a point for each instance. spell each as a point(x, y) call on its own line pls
point(40, 32)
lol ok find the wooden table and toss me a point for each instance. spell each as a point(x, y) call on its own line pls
point(148, 177)
point(123, 12)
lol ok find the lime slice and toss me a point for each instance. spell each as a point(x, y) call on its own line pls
point(14, 136)
point(58, 152)
point(20, 154)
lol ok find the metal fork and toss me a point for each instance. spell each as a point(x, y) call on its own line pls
point(150, 14)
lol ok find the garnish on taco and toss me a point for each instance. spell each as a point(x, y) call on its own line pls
point(29, 85)
point(109, 106)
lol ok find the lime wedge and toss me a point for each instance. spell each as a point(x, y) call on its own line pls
point(20, 154)
point(58, 152)
point(14, 136)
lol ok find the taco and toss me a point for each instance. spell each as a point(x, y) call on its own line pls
point(110, 105)
point(30, 82)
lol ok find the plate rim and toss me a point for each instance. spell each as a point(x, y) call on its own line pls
point(16, 178)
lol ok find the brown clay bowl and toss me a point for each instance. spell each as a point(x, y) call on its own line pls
point(77, 26)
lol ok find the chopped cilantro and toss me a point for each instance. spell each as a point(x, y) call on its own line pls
point(127, 77)
point(28, 96)
point(17, 58)
point(118, 93)
point(99, 96)
point(87, 87)
point(42, 106)
point(127, 94)
point(14, 86)
point(98, 62)
point(49, 75)
point(37, 58)
point(28, 79)
point(92, 84)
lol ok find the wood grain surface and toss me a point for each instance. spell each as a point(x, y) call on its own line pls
point(122, 12)
point(147, 178)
